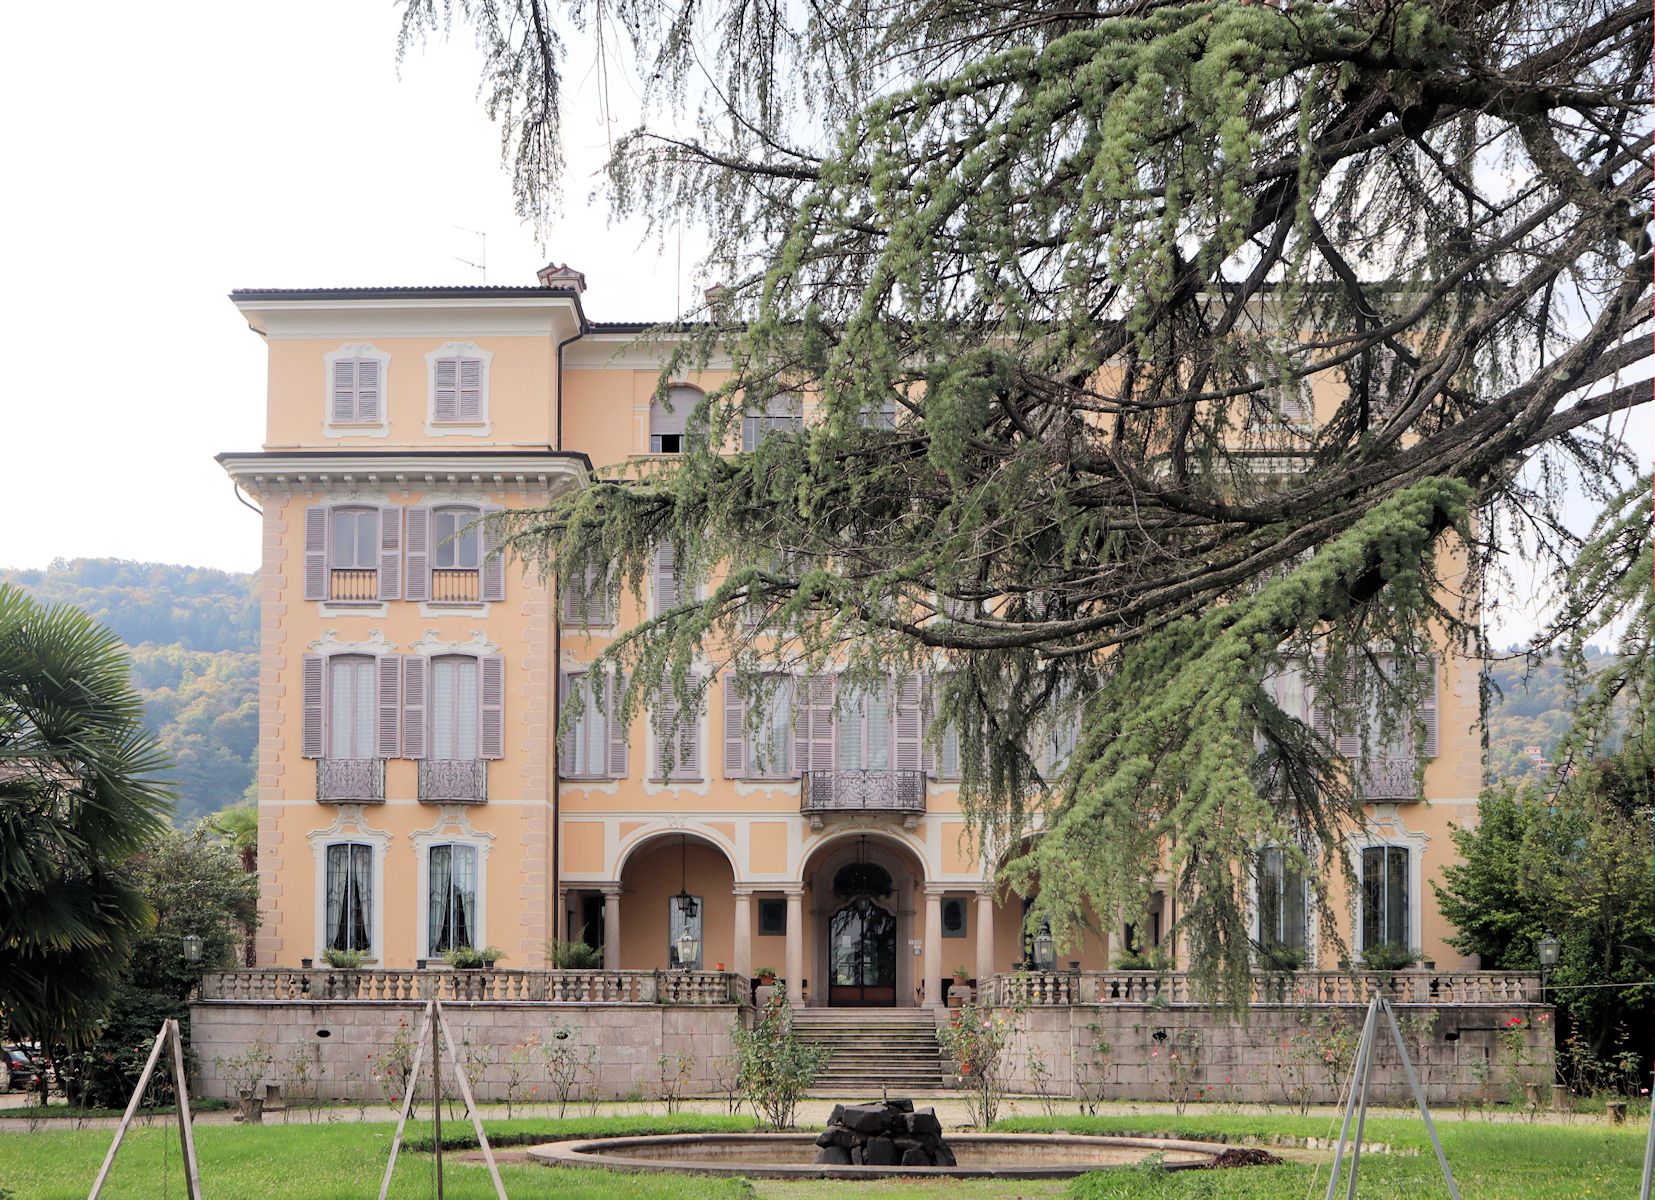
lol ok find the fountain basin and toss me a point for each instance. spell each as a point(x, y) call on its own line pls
point(789, 1155)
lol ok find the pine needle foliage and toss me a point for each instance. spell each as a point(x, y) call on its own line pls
point(1061, 286)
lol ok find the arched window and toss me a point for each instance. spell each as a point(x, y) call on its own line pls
point(451, 900)
point(667, 417)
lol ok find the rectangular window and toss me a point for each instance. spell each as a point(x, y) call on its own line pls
point(588, 738)
point(1282, 901)
point(676, 924)
point(865, 730)
point(768, 748)
point(772, 918)
point(455, 545)
point(1385, 897)
point(355, 399)
point(457, 397)
point(451, 902)
point(355, 539)
point(349, 889)
point(350, 706)
point(781, 415)
point(587, 599)
point(454, 707)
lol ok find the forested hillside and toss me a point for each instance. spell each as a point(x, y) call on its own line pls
point(194, 636)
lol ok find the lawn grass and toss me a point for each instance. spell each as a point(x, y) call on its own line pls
point(343, 1161)
point(1491, 1161)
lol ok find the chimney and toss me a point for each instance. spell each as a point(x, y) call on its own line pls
point(717, 295)
point(561, 275)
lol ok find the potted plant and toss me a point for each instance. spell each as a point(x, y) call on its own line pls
point(960, 993)
point(1274, 956)
point(464, 958)
point(490, 955)
point(1389, 956)
point(718, 966)
point(348, 964)
point(962, 974)
point(766, 987)
point(344, 960)
point(766, 976)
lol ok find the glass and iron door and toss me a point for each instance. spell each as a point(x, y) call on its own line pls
point(862, 950)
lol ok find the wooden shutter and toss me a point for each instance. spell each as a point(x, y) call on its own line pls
point(416, 675)
point(616, 756)
point(445, 395)
point(1428, 708)
point(686, 741)
point(493, 581)
point(390, 552)
point(417, 547)
point(470, 406)
point(666, 578)
point(908, 726)
point(342, 410)
point(388, 717)
point(1349, 742)
point(565, 748)
point(316, 551)
point(735, 729)
point(367, 390)
point(813, 724)
point(314, 722)
point(927, 711)
point(491, 723)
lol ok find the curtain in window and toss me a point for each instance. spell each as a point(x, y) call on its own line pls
point(349, 893)
point(1385, 896)
point(362, 895)
point(338, 883)
point(464, 893)
point(1281, 901)
point(437, 906)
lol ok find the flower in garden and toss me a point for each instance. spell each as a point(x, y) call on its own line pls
point(1327, 1055)
point(1226, 1079)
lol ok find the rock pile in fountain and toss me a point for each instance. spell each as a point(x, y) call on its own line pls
point(891, 1134)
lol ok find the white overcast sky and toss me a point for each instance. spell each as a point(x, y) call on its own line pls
point(159, 155)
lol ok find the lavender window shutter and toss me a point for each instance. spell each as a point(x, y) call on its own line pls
point(1349, 742)
point(565, 744)
point(669, 733)
point(491, 724)
point(316, 552)
point(801, 723)
point(417, 544)
point(735, 729)
point(1428, 707)
point(908, 727)
point(343, 405)
point(616, 685)
point(390, 551)
point(570, 588)
point(927, 708)
point(367, 390)
point(416, 676)
point(470, 406)
point(666, 579)
point(313, 723)
point(689, 737)
point(445, 398)
point(388, 723)
point(494, 560)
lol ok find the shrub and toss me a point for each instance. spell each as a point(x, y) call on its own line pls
point(344, 960)
point(1389, 956)
point(574, 956)
point(776, 1066)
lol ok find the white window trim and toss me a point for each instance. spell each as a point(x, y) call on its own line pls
point(1386, 828)
point(453, 827)
point(349, 826)
point(450, 428)
point(357, 350)
point(330, 644)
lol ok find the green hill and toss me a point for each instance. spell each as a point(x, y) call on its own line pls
point(194, 639)
point(1530, 707)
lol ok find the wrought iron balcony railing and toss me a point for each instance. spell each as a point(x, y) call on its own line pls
point(900, 793)
point(455, 586)
point(350, 780)
point(1390, 779)
point(453, 780)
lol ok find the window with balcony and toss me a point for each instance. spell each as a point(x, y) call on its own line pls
point(456, 555)
point(353, 555)
point(453, 714)
point(864, 729)
point(1283, 902)
point(351, 723)
point(782, 414)
point(1386, 872)
point(451, 898)
point(349, 896)
point(351, 706)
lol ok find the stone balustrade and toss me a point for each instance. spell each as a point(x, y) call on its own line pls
point(546, 987)
point(1290, 988)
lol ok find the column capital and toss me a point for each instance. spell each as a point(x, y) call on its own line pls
point(744, 891)
point(942, 889)
point(793, 891)
point(607, 888)
point(987, 891)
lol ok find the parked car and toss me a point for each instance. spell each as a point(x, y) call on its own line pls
point(20, 1069)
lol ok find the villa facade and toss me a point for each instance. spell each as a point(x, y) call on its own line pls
point(414, 799)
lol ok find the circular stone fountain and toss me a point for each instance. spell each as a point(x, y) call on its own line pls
point(790, 1155)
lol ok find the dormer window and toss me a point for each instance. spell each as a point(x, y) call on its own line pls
point(667, 417)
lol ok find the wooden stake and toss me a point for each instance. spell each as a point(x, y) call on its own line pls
point(436, 1089)
point(186, 1135)
point(470, 1104)
point(407, 1106)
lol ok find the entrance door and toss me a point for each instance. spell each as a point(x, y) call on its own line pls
point(862, 950)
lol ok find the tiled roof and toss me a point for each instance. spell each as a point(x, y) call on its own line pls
point(418, 292)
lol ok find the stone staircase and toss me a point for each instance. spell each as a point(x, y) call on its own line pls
point(894, 1049)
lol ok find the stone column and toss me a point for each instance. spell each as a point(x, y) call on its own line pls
point(794, 966)
point(985, 937)
point(935, 996)
point(741, 947)
point(612, 927)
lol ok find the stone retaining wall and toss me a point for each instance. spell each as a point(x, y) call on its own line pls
point(1276, 1053)
point(630, 1038)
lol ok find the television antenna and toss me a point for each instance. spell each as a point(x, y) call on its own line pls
point(481, 265)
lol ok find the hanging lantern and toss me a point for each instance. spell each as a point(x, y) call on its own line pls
point(1045, 950)
point(689, 948)
point(686, 903)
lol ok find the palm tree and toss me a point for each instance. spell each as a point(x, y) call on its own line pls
point(80, 793)
point(238, 828)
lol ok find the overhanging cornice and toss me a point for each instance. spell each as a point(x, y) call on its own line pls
point(266, 470)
